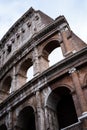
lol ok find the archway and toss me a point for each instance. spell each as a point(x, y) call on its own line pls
point(29, 73)
point(52, 52)
point(25, 71)
point(3, 127)
point(6, 86)
point(61, 101)
point(55, 56)
point(26, 119)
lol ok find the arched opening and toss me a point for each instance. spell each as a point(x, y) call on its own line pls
point(52, 53)
point(6, 86)
point(60, 100)
point(55, 56)
point(26, 119)
point(26, 71)
point(3, 127)
point(29, 73)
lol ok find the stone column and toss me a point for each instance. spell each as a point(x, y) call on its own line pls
point(3, 95)
point(0, 62)
point(80, 94)
point(46, 118)
point(40, 61)
point(44, 62)
point(65, 42)
point(13, 84)
point(3, 57)
point(10, 120)
point(20, 81)
point(15, 120)
point(36, 66)
point(51, 120)
point(40, 113)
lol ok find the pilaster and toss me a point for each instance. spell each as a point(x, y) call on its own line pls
point(36, 65)
point(13, 84)
point(79, 92)
point(10, 120)
point(40, 112)
point(51, 119)
point(65, 41)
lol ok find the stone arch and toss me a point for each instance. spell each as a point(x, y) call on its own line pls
point(3, 127)
point(50, 47)
point(60, 100)
point(71, 88)
point(22, 71)
point(85, 80)
point(50, 89)
point(6, 84)
point(24, 66)
point(51, 40)
point(26, 119)
point(24, 105)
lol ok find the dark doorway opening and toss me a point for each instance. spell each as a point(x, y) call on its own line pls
point(66, 111)
point(3, 127)
point(26, 119)
point(62, 102)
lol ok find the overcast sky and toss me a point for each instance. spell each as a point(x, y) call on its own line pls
point(75, 12)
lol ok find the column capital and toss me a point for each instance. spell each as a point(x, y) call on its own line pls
point(37, 90)
point(62, 27)
point(72, 70)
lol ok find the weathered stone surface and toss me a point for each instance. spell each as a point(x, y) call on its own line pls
point(55, 98)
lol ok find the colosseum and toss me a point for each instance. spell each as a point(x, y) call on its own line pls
point(55, 98)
